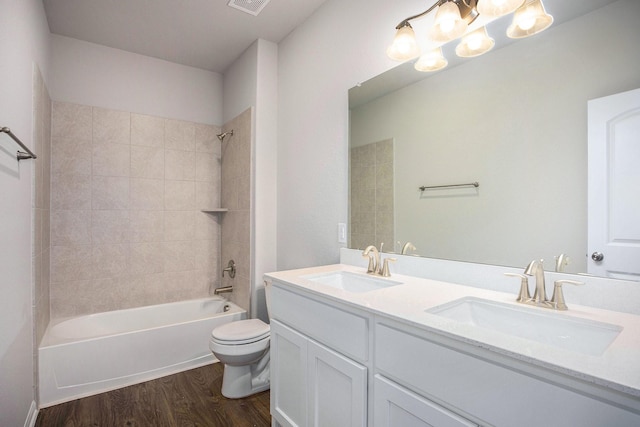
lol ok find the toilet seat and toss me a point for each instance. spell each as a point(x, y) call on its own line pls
point(240, 332)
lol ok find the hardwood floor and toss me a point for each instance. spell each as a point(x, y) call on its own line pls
point(191, 398)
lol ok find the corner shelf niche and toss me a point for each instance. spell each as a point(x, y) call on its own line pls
point(215, 211)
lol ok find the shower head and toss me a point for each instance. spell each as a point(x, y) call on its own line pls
point(221, 136)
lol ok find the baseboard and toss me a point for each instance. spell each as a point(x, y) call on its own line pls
point(32, 416)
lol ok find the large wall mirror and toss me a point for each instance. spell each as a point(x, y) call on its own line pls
point(513, 120)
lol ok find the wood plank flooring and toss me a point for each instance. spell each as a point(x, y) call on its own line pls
point(191, 398)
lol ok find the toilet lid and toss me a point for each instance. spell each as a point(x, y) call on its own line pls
point(242, 330)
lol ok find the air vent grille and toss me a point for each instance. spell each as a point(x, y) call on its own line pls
point(252, 7)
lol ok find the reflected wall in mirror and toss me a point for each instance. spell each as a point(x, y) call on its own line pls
point(514, 120)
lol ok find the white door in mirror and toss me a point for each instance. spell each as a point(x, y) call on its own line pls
point(614, 186)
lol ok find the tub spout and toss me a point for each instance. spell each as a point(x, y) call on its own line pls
point(219, 291)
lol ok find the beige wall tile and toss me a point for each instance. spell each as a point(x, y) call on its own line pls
point(110, 260)
point(110, 159)
point(207, 167)
point(179, 285)
point(70, 228)
point(179, 256)
point(206, 139)
point(147, 258)
point(70, 192)
point(109, 193)
point(179, 195)
point(179, 135)
point(147, 289)
point(71, 156)
point(244, 192)
point(147, 130)
point(147, 162)
point(179, 225)
point(179, 165)
point(207, 225)
point(146, 226)
point(229, 189)
point(110, 126)
point(207, 255)
point(109, 226)
point(72, 298)
point(147, 194)
point(140, 219)
point(69, 263)
point(207, 196)
point(71, 121)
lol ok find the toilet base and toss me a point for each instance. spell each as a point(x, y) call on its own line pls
point(243, 381)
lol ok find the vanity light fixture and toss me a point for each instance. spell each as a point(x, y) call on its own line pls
point(475, 44)
point(431, 61)
point(531, 18)
point(452, 20)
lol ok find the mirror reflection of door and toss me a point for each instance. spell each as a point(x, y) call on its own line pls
point(614, 186)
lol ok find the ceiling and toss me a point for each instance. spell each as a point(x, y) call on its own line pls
point(205, 34)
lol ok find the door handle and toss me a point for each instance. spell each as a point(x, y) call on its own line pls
point(597, 256)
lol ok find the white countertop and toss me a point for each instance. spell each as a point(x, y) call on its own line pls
point(618, 368)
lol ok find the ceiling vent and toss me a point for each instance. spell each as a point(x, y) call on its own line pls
point(252, 7)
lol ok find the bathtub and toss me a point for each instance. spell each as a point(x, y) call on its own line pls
point(91, 354)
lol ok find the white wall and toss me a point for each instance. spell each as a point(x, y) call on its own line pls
point(341, 44)
point(91, 74)
point(24, 41)
point(513, 129)
point(252, 80)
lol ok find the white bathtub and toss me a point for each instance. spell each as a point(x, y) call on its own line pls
point(91, 354)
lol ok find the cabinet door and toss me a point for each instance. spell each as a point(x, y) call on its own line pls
point(288, 376)
point(396, 406)
point(337, 389)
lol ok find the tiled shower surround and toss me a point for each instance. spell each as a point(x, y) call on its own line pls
point(127, 195)
point(41, 204)
point(371, 195)
point(236, 196)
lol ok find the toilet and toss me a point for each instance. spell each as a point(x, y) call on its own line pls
point(243, 348)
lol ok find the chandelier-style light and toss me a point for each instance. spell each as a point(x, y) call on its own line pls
point(475, 44)
point(452, 21)
point(431, 61)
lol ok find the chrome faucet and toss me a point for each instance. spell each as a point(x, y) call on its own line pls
point(536, 269)
point(408, 247)
point(218, 291)
point(376, 266)
point(374, 259)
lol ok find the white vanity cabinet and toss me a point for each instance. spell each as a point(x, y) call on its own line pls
point(488, 388)
point(395, 406)
point(340, 359)
point(313, 382)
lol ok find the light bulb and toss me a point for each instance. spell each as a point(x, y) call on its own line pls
point(404, 46)
point(529, 19)
point(448, 23)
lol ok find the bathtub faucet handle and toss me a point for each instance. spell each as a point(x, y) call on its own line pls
point(231, 269)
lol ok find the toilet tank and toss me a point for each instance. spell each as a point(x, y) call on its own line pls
point(267, 296)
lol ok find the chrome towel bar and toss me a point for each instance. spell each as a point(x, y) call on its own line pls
point(430, 187)
point(20, 155)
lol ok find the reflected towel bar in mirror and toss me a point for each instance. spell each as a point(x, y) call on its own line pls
point(430, 187)
point(20, 155)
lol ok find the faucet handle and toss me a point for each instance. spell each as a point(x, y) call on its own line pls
point(385, 267)
point(557, 299)
point(524, 294)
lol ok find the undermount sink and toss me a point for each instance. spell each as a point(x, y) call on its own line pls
point(351, 282)
point(579, 335)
